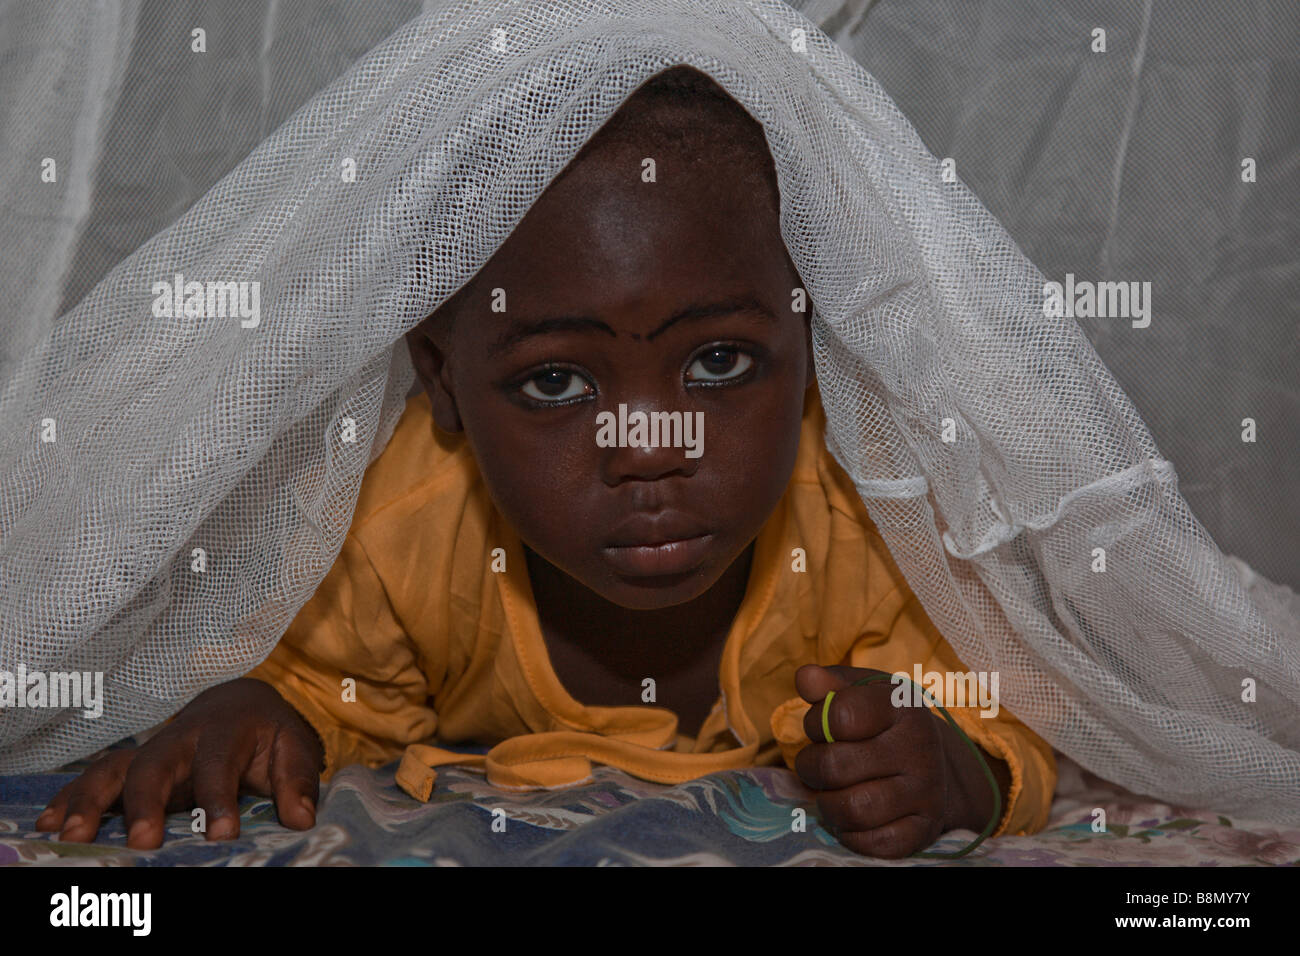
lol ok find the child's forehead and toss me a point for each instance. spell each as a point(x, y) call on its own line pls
point(630, 258)
point(664, 180)
point(621, 206)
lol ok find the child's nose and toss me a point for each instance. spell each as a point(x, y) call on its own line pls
point(645, 441)
point(646, 464)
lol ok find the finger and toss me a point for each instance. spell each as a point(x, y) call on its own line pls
point(56, 810)
point(149, 783)
point(871, 804)
point(80, 806)
point(854, 713)
point(845, 763)
point(893, 841)
point(812, 681)
point(218, 767)
point(51, 817)
point(294, 781)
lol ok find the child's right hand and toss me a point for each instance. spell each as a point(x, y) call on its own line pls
point(238, 737)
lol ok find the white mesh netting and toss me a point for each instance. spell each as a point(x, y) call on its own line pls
point(175, 434)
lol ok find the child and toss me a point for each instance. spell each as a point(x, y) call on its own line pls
point(512, 576)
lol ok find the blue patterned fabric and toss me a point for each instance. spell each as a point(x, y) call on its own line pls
point(743, 818)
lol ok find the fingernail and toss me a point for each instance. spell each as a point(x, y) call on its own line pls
point(73, 822)
point(221, 828)
point(309, 805)
point(138, 830)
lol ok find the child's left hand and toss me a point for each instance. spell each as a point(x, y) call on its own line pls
point(894, 778)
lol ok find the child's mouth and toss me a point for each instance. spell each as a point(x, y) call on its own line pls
point(658, 545)
point(659, 560)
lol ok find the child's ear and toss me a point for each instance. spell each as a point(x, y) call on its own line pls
point(431, 369)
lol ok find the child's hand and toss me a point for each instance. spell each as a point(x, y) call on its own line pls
point(236, 737)
point(895, 777)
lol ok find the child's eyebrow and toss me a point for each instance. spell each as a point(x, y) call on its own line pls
point(520, 330)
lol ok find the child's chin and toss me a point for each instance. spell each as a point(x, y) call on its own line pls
point(650, 593)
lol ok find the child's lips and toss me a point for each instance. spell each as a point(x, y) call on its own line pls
point(657, 560)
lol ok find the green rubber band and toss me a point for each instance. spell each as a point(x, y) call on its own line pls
point(988, 773)
point(826, 712)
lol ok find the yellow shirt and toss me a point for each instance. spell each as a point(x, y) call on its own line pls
point(444, 645)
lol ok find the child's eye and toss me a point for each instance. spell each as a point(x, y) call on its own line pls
point(555, 385)
point(718, 364)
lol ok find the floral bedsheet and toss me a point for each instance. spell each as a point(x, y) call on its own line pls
point(736, 818)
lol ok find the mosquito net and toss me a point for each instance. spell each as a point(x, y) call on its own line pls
point(177, 474)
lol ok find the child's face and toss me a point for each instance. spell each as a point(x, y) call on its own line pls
point(593, 279)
